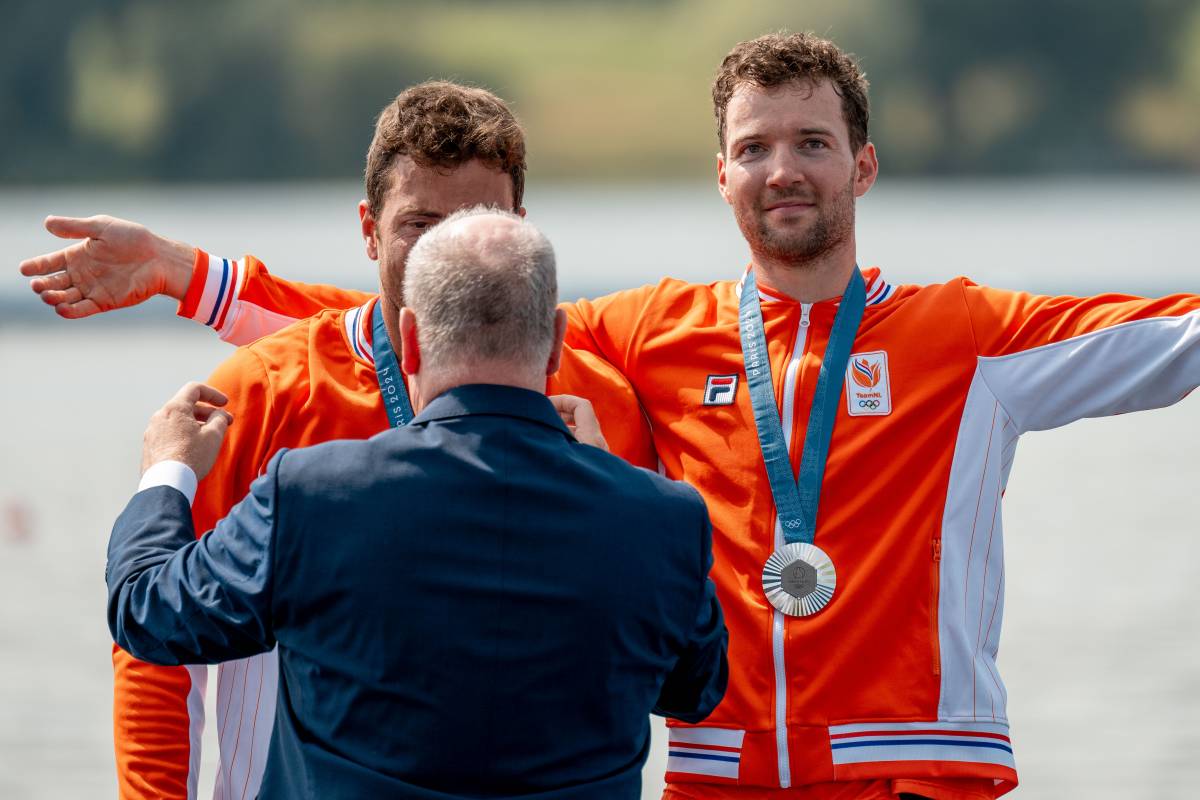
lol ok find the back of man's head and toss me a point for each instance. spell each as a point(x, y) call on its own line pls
point(482, 286)
point(445, 125)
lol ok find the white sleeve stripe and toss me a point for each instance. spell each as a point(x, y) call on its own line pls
point(195, 706)
point(1137, 365)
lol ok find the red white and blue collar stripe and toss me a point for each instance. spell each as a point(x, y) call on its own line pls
point(878, 290)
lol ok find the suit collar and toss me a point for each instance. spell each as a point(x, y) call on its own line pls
point(495, 400)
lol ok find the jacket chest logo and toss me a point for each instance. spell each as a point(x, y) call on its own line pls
point(868, 385)
point(720, 390)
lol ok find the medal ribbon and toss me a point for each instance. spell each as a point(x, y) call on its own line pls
point(387, 370)
point(796, 499)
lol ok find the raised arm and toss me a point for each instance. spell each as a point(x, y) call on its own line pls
point(117, 264)
point(174, 599)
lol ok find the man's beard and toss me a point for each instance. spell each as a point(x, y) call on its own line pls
point(833, 225)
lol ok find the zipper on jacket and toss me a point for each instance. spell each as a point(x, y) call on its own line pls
point(779, 621)
point(934, 593)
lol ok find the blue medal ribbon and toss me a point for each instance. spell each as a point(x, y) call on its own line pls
point(796, 499)
point(387, 370)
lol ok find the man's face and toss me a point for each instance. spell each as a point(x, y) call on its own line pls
point(416, 200)
point(789, 172)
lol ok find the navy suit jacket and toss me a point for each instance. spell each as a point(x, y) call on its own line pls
point(475, 605)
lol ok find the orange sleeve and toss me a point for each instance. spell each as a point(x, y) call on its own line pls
point(622, 420)
point(243, 302)
point(153, 727)
point(1005, 322)
point(608, 326)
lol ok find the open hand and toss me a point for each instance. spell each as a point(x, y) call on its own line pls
point(580, 417)
point(117, 264)
point(189, 428)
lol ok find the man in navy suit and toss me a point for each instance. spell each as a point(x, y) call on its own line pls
point(472, 605)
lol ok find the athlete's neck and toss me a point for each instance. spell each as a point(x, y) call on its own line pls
point(823, 278)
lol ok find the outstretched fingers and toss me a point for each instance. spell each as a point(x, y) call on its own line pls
point(47, 263)
point(77, 309)
point(54, 282)
point(77, 227)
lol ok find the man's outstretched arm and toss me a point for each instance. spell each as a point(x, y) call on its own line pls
point(117, 264)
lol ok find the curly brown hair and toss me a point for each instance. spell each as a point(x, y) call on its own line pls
point(780, 58)
point(444, 124)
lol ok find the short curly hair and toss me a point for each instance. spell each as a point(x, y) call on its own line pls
point(780, 58)
point(444, 124)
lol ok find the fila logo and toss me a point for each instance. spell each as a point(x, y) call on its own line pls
point(720, 390)
point(868, 386)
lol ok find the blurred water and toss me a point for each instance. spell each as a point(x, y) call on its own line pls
point(1099, 651)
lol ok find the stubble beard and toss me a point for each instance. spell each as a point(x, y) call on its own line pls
point(803, 247)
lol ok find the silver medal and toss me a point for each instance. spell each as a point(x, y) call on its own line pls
point(799, 579)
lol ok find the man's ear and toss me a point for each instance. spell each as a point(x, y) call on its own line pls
point(721, 177)
point(410, 350)
point(521, 212)
point(560, 333)
point(866, 169)
point(370, 230)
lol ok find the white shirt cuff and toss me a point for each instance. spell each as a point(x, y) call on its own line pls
point(175, 474)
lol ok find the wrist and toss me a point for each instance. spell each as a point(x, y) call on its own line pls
point(176, 260)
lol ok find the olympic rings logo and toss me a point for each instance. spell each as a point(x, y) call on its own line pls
point(871, 404)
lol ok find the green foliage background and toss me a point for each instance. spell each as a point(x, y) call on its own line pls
point(141, 90)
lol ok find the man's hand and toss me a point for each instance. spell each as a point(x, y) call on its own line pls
point(118, 264)
point(189, 428)
point(580, 417)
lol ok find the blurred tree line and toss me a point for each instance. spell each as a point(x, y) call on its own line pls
point(138, 90)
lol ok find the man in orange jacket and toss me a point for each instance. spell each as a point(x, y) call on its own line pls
point(852, 439)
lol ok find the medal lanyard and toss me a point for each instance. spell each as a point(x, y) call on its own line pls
point(387, 370)
point(796, 500)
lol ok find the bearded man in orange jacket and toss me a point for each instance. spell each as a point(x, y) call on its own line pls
point(852, 438)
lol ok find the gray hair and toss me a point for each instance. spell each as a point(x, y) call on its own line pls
point(482, 285)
